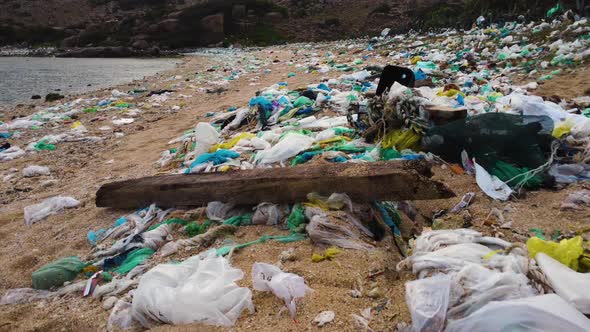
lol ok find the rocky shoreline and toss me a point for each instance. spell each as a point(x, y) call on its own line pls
point(88, 52)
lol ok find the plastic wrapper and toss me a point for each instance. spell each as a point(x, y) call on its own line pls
point(538, 313)
point(286, 286)
point(290, 146)
point(428, 300)
point(202, 289)
point(321, 230)
point(53, 205)
point(566, 282)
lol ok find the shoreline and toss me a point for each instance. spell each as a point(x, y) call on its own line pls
point(176, 62)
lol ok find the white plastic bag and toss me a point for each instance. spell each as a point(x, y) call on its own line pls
point(201, 289)
point(123, 121)
point(205, 135)
point(544, 313)
point(290, 146)
point(23, 295)
point(19, 124)
point(286, 286)
point(53, 205)
point(35, 170)
point(270, 214)
point(121, 317)
point(428, 300)
point(11, 153)
point(491, 185)
point(567, 283)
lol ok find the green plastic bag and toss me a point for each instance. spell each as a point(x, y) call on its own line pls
point(134, 258)
point(296, 218)
point(43, 145)
point(56, 273)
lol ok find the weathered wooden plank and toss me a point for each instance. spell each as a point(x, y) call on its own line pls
point(363, 182)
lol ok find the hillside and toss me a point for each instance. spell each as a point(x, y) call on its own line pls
point(172, 24)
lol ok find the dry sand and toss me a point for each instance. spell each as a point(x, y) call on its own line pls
point(81, 168)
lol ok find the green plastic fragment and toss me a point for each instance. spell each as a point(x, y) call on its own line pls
point(302, 101)
point(390, 153)
point(134, 258)
point(538, 233)
point(279, 238)
point(241, 220)
point(194, 229)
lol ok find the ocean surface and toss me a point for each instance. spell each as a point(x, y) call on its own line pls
point(23, 77)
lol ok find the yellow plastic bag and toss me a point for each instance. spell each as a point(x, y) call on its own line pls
point(416, 59)
point(401, 140)
point(562, 129)
point(232, 142)
point(329, 254)
point(450, 93)
point(76, 124)
point(335, 139)
point(566, 251)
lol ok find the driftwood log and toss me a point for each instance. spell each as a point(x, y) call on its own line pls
point(363, 182)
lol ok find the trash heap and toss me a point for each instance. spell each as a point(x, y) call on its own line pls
point(447, 101)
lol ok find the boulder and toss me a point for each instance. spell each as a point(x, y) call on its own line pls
point(273, 17)
point(213, 23)
point(238, 12)
point(140, 44)
point(168, 25)
point(53, 97)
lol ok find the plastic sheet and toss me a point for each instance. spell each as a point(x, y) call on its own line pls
point(201, 289)
point(286, 286)
point(539, 313)
point(566, 282)
point(121, 317)
point(427, 301)
point(290, 146)
point(50, 206)
point(23, 295)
